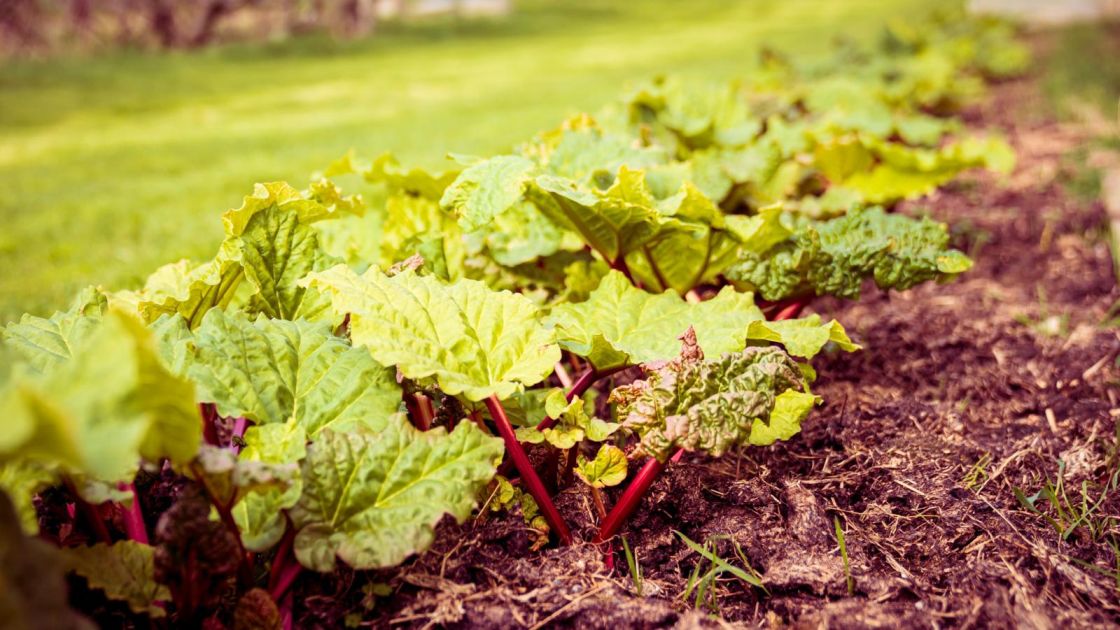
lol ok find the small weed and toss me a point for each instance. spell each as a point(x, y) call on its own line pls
point(1047, 323)
point(1068, 515)
point(977, 476)
point(632, 564)
point(703, 580)
point(844, 555)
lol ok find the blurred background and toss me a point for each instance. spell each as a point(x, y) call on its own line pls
point(127, 126)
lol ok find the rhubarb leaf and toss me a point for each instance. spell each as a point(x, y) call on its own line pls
point(623, 325)
point(260, 515)
point(705, 405)
point(790, 408)
point(189, 289)
point(98, 413)
point(276, 251)
point(125, 571)
point(802, 337)
point(273, 371)
point(472, 340)
point(834, 257)
point(228, 479)
point(613, 222)
point(487, 189)
point(273, 196)
point(47, 342)
point(372, 500)
point(607, 469)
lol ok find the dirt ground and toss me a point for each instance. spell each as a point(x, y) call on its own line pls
point(963, 393)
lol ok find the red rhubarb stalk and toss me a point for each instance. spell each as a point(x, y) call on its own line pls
point(134, 518)
point(528, 474)
point(630, 499)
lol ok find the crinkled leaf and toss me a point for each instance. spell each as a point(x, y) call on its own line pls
point(256, 610)
point(705, 405)
point(607, 469)
point(372, 500)
point(124, 570)
point(834, 257)
point(472, 340)
point(273, 371)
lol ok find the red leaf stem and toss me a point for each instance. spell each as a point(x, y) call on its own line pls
point(528, 474)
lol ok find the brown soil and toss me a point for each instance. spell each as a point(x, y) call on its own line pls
point(956, 400)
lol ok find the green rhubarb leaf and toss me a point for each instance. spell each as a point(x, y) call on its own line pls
point(98, 413)
point(173, 339)
point(606, 470)
point(47, 342)
point(472, 340)
point(260, 514)
point(274, 195)
point(613, 222)
point(276, 251)
point(802, 337)
point(273, 371)
point(622, 325)
point(372, 500)
point(693, 244)
point(190, 290)
point(487, 189)
point(834, 257)
point(705, 405)
point(416, 182)
point(523, 234)
point(124, 570)
point(790, 408)
point(575, 422)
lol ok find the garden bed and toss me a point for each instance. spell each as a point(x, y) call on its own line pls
point(963, 393)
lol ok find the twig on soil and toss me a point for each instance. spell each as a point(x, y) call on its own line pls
point(559, 611)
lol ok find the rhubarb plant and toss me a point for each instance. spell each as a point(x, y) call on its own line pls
point(351, 368)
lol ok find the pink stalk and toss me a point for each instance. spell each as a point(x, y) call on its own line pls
point(285, 568)
point(239, 426)
point(134, 518)
point(632, 497)
point(532, 482)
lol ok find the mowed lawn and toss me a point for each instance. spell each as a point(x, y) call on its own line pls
point(113, 165)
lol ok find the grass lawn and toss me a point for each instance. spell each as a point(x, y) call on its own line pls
point(114, 165)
